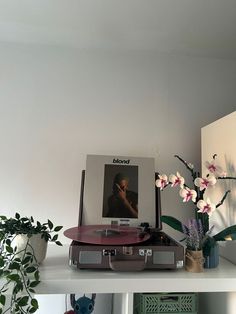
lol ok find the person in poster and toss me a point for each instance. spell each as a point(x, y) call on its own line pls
point(123, 203)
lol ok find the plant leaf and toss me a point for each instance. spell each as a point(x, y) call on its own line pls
point(14, 277)
point(173, 222)
point(36, 275)
point(23, 301)
point(228, 232)
point(55, 237)
point(9, 249)
point(50, 224)
point(26, 260)
point(30, 269)
point(1, 261)
point(2, 299)
point(14, 265)
point(34, 303)
point(58, 228)
point(33, 310)
point(58, 243)
point(33, 284)
point(8, 242)
point(17, 216)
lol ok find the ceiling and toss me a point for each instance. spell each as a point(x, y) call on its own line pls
point(194, 27)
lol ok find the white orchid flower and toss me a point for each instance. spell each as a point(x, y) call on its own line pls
point(162, 182)
point(206, 206)
point(215, 169)
point(187, 194)
point(176, 180)
point(204, 183)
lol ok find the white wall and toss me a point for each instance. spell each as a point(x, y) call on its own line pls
point(59, 104)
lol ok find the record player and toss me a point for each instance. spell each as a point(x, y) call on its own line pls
point(119, 244)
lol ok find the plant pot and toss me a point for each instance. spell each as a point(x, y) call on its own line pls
point(36, 245)
point(212, 257)
point(194, 261)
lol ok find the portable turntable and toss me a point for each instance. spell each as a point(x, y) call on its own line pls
point(115, 244)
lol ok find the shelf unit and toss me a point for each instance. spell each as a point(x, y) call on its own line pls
point(58, 278)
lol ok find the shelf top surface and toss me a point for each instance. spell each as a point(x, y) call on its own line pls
point(57, 277)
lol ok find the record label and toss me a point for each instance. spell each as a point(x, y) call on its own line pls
point(106, 235)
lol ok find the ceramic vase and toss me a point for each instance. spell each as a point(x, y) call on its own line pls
point(36, 245)
point(212, 258)
point(194, 261)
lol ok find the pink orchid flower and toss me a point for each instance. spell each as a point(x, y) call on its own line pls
point(204, 183)
point(162, 181)
point(206, 206)
point(176, 180)
point(215, 169)
point(188, 194)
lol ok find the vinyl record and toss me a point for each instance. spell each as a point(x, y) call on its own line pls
point(106, 235)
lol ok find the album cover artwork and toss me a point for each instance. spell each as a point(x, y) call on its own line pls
point(119, 190)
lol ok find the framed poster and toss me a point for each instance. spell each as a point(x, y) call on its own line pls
point(119, 190)
point(219, 138)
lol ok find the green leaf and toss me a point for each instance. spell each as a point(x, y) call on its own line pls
point(6, 272)
point(58, 243)
point(14, 265)
point(2, 299)
point(18, 287)
point(36, 275)
point(30, 269)
point(1, 261)
point(33, 310)
point(9, 249)
point(33, 284)
point(23, 301)
point(17, 216)
point(55, 237)
point(4, 290)
point(34, 303)
point(31, 290)
point(50, 224)
point(14, 277)
point(8, 242)
point(26, 260)
point(228, 232)
point(58, 228)
point(173, 222)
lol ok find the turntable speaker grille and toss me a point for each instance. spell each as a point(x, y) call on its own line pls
point(165, 258)
point(90, 257)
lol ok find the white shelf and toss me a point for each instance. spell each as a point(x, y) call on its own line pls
point(58, 278)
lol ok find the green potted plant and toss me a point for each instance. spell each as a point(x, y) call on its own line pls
point(19, 260)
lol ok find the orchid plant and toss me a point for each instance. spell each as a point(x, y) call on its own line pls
point(195, 194)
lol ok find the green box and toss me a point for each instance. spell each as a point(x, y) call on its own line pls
point(165, 303)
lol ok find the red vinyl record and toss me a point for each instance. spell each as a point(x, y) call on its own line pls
point(106, 235)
